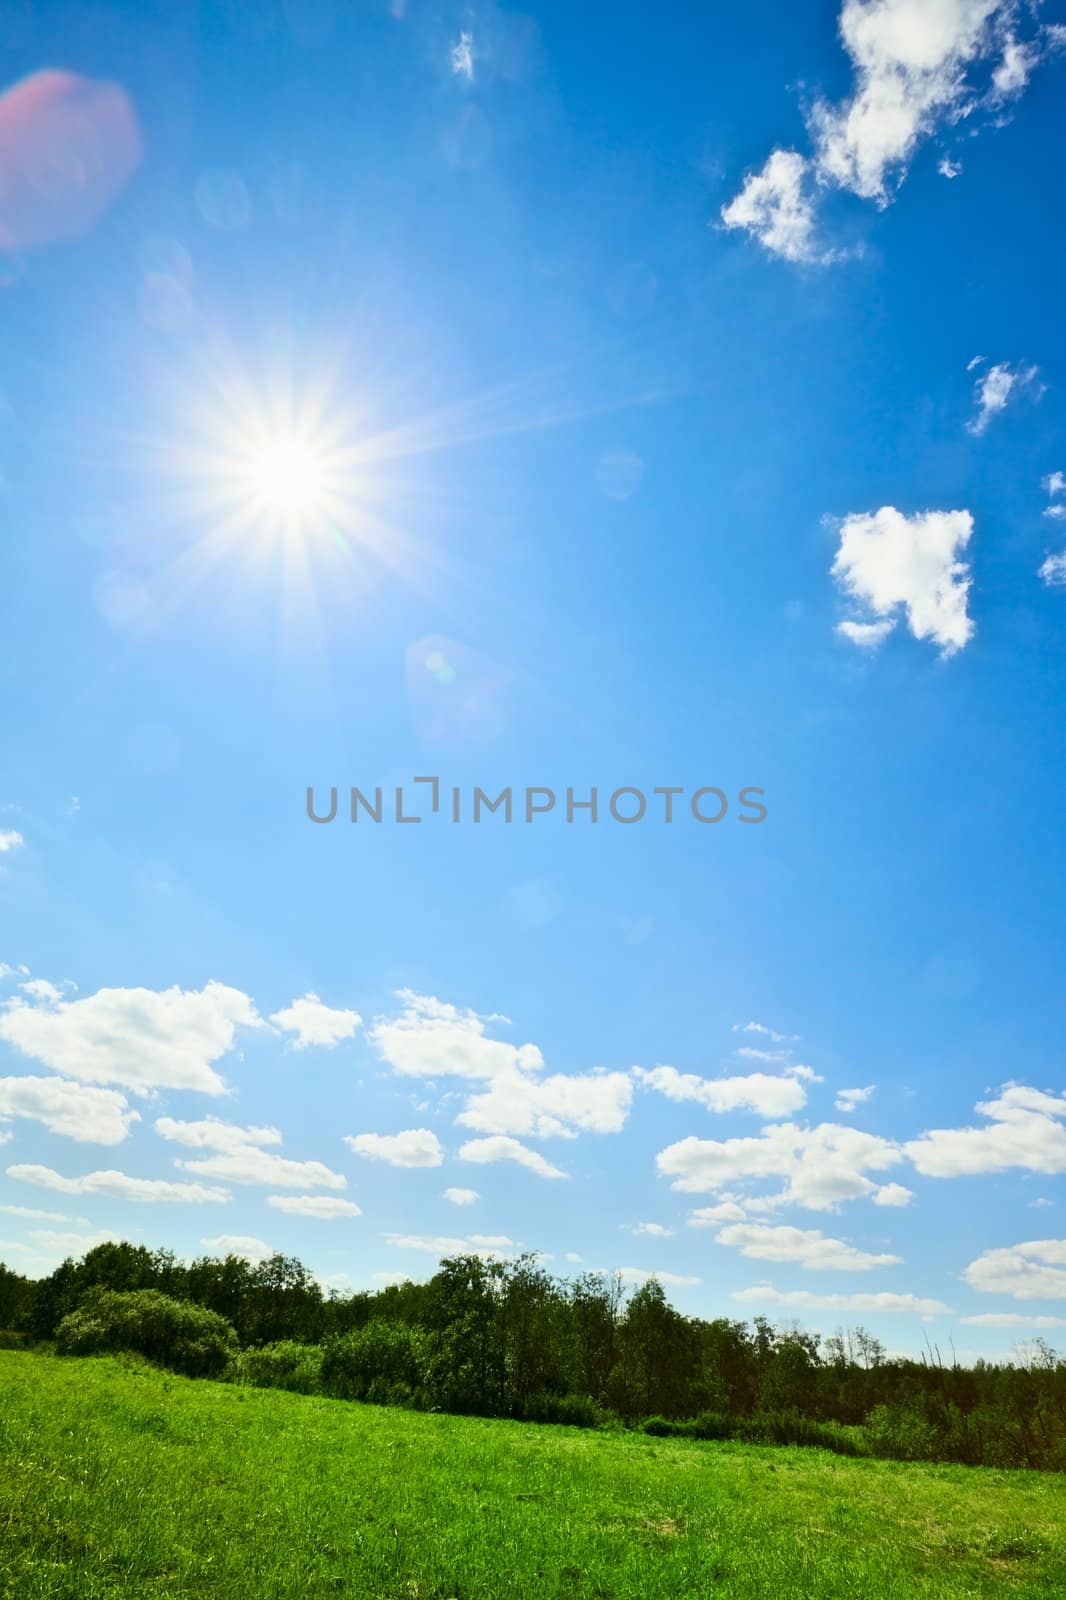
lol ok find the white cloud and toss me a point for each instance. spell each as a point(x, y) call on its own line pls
point(432, 1039)
point(140, 1039)
point(727, 1210)
point(807, 1300)
point(462, 1197)
point(767, 1033)
point(70, 1244)
point(240, 1156)
point(214, 1134)
point(558, 1105)
point(648, 1230)
point(485, 1151)
point(1054, 484)
point(948, 168)
point(820, 1166)
point(13, 972)
point(32, 1212)
point(917, 65)
point(489, 1246)
point(849, 1100)
point(867, 635)
point(462, 56)
point(670, 1280)
point(414, 1147)
point(252, 1165)
point(805, 1247)
point(888, 561)
point(1015, 68)
point(315, 1023)
point(92, 1116)
point(238, 1244)
point(120, 1186)
point(1012, 1319)
point(893, 1194)
point(573, 1258)
point(1037, 1205)
point(994, 390)
point(910, 59)
point(776, 206)
point(1053, 571)
point(41, 989)
point(1056, 512)
point(10, 840)
point(320, 1206)
point(808, 1074)
point(1035, 1270)
point(766, 1094)
point(751, 1052)
point(1025, 1129)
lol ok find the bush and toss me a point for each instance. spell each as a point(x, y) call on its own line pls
point(901, 1433)
point(710, 1425)
point(571, 1410)
point(175, 1333)
point(792, 1427)
point(662, 1427)
point(284, 1365)
point(384, 1362)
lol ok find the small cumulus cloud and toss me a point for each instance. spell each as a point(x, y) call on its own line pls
point(1035, 1270)
point(804, 1247)
point(995, 390)
point(324, 1208)
point(462, 56)
point(891, 564)
point(414, 1147)
point(809, 1300)
point(238, 1244)
point(312, 1022)
point(487, 1151)
point(641, 1275)
point(851, 1099)
point(121, 1186)
point(1053, 571)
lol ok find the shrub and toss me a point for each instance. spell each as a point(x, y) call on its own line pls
point(791, 1427)
point(175, 1333)
point(710, 1425)
point(662, 1427)
point(384, 1362)
point(284, 1365)
point(901, 1433)
point(572, 1410)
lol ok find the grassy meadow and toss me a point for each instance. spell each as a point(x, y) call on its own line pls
point(117, 1479)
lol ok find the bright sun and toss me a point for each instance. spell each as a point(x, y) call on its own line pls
point(287, 480)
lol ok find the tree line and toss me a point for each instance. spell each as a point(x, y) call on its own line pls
point(508, 1339)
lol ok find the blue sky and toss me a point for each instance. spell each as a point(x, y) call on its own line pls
point(540, 401)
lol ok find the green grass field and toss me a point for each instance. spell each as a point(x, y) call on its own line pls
point(118, 1480)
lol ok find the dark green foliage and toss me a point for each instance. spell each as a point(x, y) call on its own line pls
point(174, 1333)
point(384, 1362)
point(763, 1427)
point(284, 1365)
point(16, 1300)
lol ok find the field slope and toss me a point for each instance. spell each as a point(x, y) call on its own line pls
point(117, 1480)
